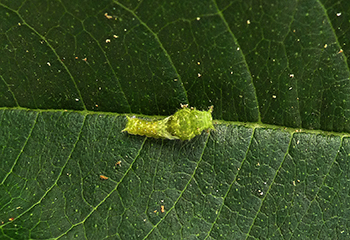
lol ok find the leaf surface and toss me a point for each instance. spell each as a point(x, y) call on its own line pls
point(275, 167)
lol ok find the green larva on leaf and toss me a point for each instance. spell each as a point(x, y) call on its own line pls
point(155, 129)
point(185, 124)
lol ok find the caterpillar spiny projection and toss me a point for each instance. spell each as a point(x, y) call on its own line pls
point(185, 124)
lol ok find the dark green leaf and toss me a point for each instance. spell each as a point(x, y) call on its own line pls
point(275, 167)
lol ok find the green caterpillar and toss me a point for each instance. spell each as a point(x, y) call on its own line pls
point(185, 124)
